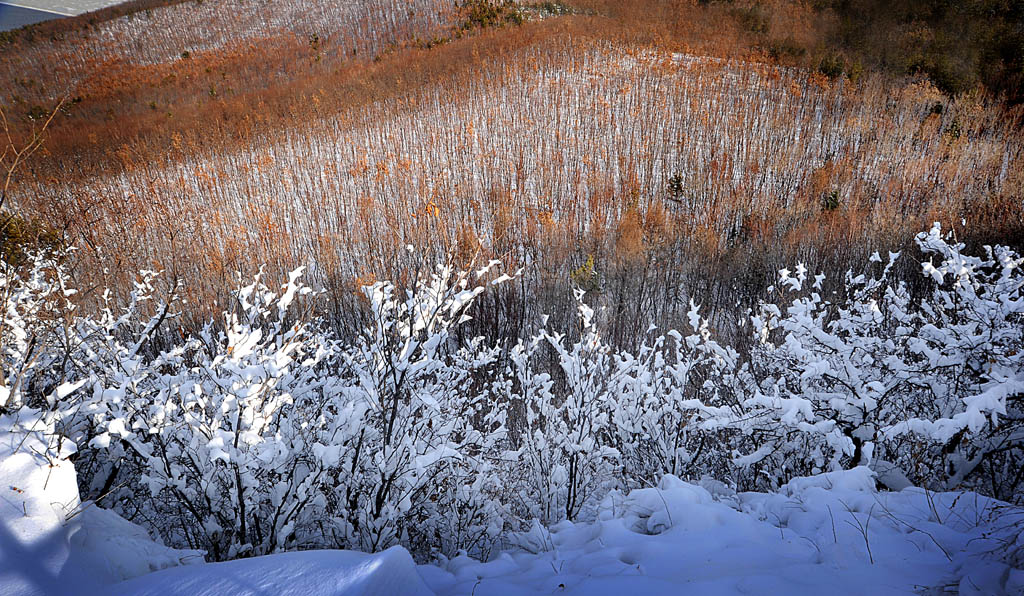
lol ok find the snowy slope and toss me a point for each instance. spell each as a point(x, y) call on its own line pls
point(678, 538)
point(64, 7)
point(290, 574)
point(50, 543)
point(38, 487)
point(812, 537)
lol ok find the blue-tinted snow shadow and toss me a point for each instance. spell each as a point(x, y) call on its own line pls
point(49, 566)
point(34, 565)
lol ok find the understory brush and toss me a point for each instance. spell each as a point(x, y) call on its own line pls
point(264, 432)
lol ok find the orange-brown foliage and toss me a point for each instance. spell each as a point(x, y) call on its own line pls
point(542, 143)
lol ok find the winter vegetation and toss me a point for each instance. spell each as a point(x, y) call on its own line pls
point(546, 146)
point(481, 297)
point(264, 433)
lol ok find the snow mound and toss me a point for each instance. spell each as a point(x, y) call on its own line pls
point(50, 544)
point(306, 573)
point(828, 534)
point(38, 486)
point(120, 549)
point(860, 479)
point(655, 510)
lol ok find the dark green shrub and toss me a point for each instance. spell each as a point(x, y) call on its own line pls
point(19, 235)
point(831, 66)
point(675, 187)
point(482, 14)
point(785, 48)
point(753, 18)
point(855, 70)
point(37, 113)
point(954, 130)
point(830, 202)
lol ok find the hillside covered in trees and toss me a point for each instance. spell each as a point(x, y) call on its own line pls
point(513, 297)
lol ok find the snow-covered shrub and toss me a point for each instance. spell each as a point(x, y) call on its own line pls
point(37, 307)
point(970, 344)
point(523, 391)
point(418, 464)
point(263, 432)
point(879, 374)
point(827, 373)
point(216, 436)
point(566, 439)
point(669, 388)
point(111, 348)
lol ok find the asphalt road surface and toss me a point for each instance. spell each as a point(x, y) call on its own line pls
point(18, 13)
point(12, 17)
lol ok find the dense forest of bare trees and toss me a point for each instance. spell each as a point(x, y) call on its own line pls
point(565, 145)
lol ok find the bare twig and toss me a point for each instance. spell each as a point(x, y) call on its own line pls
point(18, 156)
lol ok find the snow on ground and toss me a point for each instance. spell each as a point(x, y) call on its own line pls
point(832, 533)
point(328, 572)
point(51, 543)
point(826, 534)
point(807, 539)
point(65, 8)
point(38, 487)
